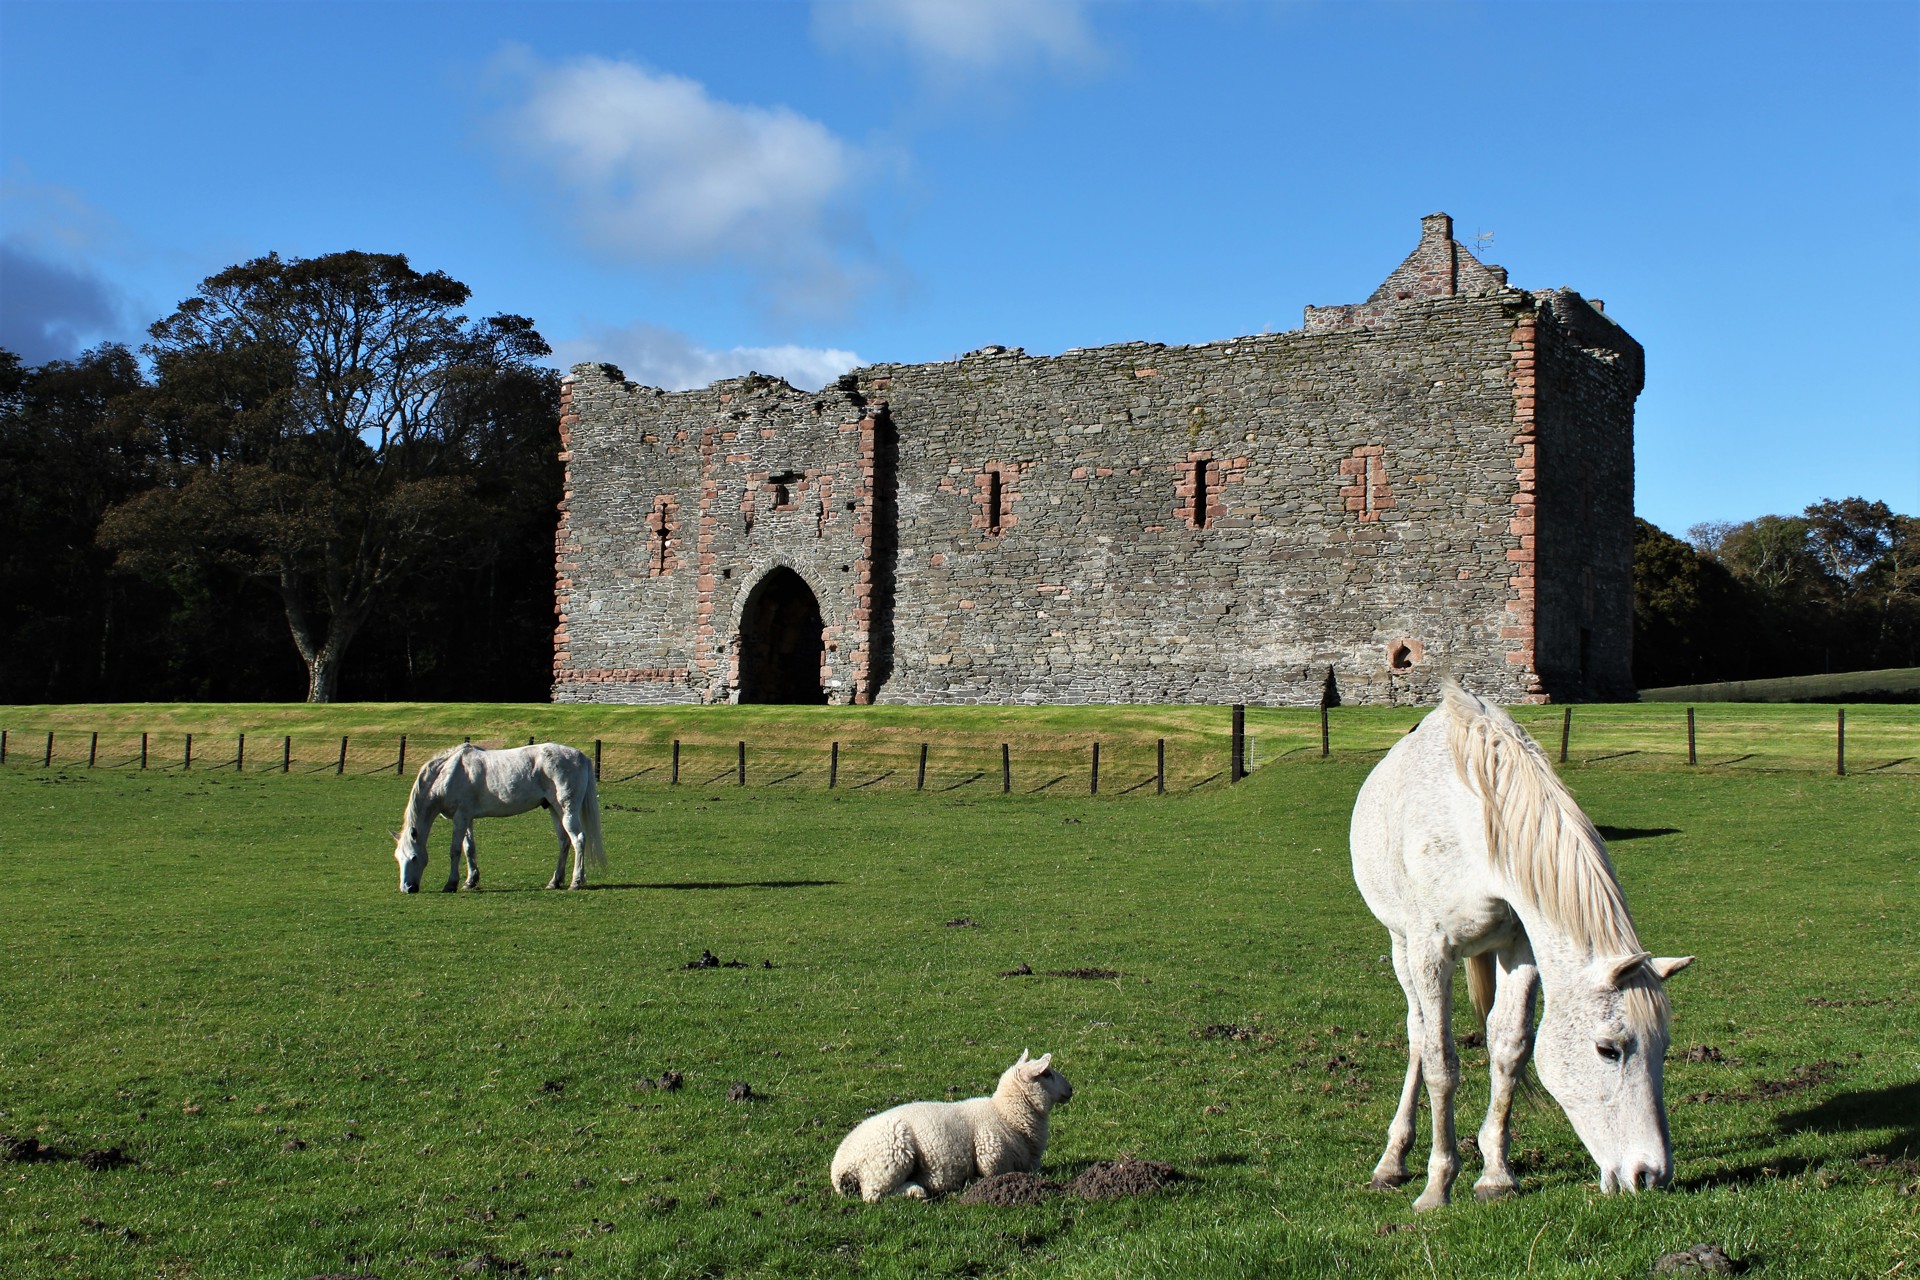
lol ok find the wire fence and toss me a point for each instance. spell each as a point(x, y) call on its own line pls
point(1219, 746)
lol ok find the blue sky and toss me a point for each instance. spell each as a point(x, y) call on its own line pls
point(690, 190)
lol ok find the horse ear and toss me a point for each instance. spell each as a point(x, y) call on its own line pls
point(394, 834)
point(1667, 966)
point(1617, 968)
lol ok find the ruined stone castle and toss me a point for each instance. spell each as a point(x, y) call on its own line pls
point(1436, 481)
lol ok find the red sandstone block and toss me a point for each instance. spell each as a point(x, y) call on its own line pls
point(1519, 659)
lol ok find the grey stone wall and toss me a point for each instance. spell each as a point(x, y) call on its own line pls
point(1435, 482)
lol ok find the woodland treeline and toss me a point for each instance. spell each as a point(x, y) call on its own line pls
point(1835, 588)
point(322, 481)
point(319, 479)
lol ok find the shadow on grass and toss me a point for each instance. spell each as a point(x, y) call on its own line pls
point(1635, 833)
point(683, 884)
point(1895, 1108)
point(1893, 1112)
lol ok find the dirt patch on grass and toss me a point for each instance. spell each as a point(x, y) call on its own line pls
point(1698, 1260)
point(961, 922)
point(1025, 970)
point(1228, 1031)
point(1112, 1179)
point(708, 960)
point(1798, 1080)
point(1009, 1189)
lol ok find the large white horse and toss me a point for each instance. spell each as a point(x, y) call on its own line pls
point(464, 783)
point(1466, 846)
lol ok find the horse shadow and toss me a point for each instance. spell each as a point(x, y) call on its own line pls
point(687, 884)
point(1891, 1113)
point(1612, 834)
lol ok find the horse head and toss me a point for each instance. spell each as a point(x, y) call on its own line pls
point(410, 851)
point(1601, 1053)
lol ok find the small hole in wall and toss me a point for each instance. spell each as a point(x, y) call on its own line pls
point(851, 505)
point(1402, 655)
point(726, 573)
point(845, 568)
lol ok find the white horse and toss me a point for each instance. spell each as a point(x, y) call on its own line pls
point(1466, 846)
point(464, 783)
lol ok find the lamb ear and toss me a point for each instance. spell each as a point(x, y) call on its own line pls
point(1040, 1064)
point(1667, 966)
point(1021, 1059)
point(1617, 968)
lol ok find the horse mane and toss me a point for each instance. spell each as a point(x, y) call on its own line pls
point(1544, 847)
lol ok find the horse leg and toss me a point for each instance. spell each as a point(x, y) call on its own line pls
point(473, 859)
point(560, 834)
point(574, 831)
point(1430, 964)
point(1509, 1045)
point(1392, 1170)
point(462, 831)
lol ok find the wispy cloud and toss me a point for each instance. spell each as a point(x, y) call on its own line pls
point(666, 358)
point(963, 39)
point(654, 169)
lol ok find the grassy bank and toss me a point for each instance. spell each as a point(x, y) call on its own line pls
point(1049, 748)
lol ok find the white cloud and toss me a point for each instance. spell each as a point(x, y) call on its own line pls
point(655, 169)
point(951, 38)
point(666, 358)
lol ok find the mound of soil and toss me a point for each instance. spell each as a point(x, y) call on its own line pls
point(1095, 974)
point(25, 1149)
point(708, 960)
point(1700, 1259)
point(1112, 1179)
point(105, 1158)
point(962, 922)
point(1022, 970)
point(1009, 1189)
point(1705, 1053)
point(1225, 1031)
point(740, 1091)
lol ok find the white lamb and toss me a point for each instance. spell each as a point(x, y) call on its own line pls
point(924, 1149)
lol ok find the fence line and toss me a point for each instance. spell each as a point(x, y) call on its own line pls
point(1726, 736)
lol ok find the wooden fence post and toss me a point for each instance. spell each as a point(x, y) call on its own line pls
point(1160, 768)
point(1566, 731)
point(93, 748)
point(833, 767)
point(1840, 742)
point(3, 746)
point(921, 783)
point(1093, 788)
point(186, 761)
point(240, 755)
point(48, 762)
point(674, 780)
point(1692, 757)
point(400, 761)
point(741, 773)
point(286, 753)
point(143, 750)
point(596, 759)
point(1326, 742)
point(1006, 770)
point(341, 768)
point(1239, 767)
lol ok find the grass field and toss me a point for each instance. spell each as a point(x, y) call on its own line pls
point(312, 1074)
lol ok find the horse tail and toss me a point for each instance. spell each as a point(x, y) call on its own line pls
point(590, 821)
point(1481, 984)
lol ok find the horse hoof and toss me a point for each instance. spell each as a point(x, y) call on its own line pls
point(449, 887)
point(1387, 1182)
point(1495, 1191)
point(553, 884)
point(1423, 1204)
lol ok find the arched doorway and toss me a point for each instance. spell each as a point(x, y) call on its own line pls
point(780, 643)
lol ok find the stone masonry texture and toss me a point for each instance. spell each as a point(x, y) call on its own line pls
point(1435, 482)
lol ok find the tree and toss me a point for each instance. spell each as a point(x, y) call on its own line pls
point(321, 425)
point(67, 452)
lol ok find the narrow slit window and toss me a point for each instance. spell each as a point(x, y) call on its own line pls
point(661, 536)
point(1200, 494)
point(993, 502)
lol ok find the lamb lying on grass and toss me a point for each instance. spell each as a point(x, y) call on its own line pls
point(925, 1149)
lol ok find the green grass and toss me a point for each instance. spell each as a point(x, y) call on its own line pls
point(316, 1074)
point(1894, 684)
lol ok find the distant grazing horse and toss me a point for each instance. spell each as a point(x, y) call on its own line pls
point(465, 783)
point(1466, 846)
